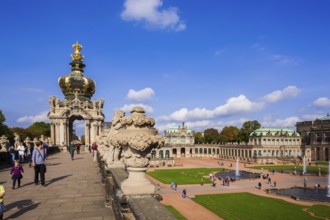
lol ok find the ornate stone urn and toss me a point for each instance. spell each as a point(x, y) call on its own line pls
point(137, 140)
point(3, 143)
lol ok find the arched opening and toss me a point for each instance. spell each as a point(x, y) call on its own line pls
point(205, 151)
point(183, 151)
point(167, 154)
point(161, 154)
point(174, 152)
point(153, 154)
point(200, 150)
point(190, 151)
point(196, 150)
point(76, 130)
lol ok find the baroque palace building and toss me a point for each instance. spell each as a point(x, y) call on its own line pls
point(265, 146)
point(316, 137)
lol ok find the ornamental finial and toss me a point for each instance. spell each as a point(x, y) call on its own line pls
point(76, 55)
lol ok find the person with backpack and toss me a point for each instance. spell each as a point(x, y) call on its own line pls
point(39, 163)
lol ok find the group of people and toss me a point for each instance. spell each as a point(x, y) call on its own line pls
point(38, 161)
point(77, 145)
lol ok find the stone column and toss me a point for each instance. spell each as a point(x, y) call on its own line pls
point(87, 134)
point(57, 133)
point(52, 134)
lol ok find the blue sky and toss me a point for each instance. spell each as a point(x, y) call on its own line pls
point(209, 64)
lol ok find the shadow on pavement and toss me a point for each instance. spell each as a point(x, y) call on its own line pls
point(78, 158)
point(57, 179)
point(53, 158)
point(2, 182)
point(53, 164)
point(23, 206)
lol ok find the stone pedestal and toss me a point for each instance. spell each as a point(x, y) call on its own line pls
point(137, 183)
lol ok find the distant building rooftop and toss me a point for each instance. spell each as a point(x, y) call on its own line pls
point(274, 132)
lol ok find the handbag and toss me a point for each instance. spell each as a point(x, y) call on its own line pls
point(20, 176)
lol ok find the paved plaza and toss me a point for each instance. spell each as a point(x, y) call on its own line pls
point(74, 191)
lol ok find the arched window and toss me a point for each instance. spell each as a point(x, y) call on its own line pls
point(161, 154)
point(183, 139)
point(167, 154)
point(153, 154)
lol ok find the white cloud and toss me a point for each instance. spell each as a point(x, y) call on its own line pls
point(258, 47)
point(233, 106)
point(290, 91)
point(150, 12)
point(282, 59)
point(36, 118)
point(128, 108)
point(322, 102)
point(288, 122)
point(141, 95)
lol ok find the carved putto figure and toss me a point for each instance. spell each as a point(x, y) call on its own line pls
point(17, 140)
point(115, 148)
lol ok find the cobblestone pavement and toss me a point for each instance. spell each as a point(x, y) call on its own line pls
point(74, 191)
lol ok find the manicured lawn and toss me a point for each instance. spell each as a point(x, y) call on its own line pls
point(291, 167)
point(252, 207)
point(322, 162)
point(184, 176)
point(320, 210)
point(175, 212)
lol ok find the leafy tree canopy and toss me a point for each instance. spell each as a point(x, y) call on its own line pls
point(229, 134)
point(211, 135)
point(22, 132)
point(247, 128)
point(39, 128)
point(4, 129)
point(199, 138)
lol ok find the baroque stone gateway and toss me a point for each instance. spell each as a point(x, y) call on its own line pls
point(124, 148)
point(77, 105)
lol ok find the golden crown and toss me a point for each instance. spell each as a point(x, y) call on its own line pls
point(76, 55)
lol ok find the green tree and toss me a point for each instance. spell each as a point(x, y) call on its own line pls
point(22, 132)
point(4, 129)
point(211, 135)
point(247, 128)
point(229, 134)
point(199, 138)
point(39, 128)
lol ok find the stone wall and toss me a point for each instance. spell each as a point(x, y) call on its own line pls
point(130, 207)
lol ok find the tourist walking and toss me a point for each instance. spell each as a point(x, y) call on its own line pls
point(78, 145)
point(184, 193)
point(274, 183)
point(12, 154)
point(94, 148)
point(21, 152)
point(2, 207)
point(305, 182)
point(259, 185)
point(72, 148)
point(39, 163)
point(46, 148)
point(16, 173)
